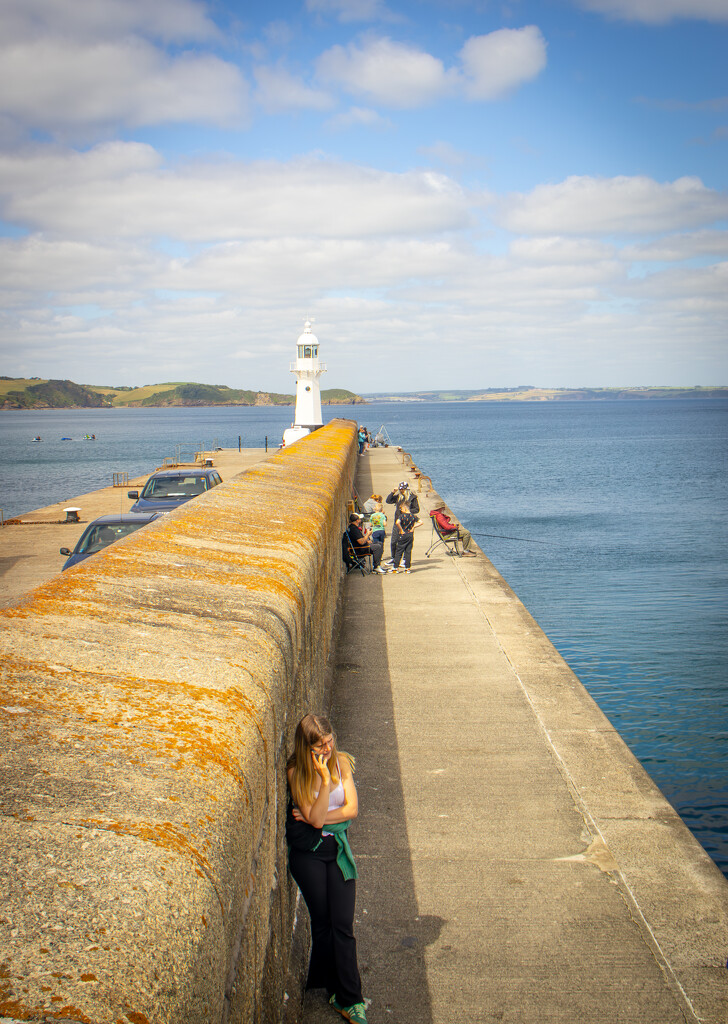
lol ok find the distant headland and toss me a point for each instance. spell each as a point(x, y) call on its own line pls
point(39, 393)
point(530, 393)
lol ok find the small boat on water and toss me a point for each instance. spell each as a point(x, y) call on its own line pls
point(37, 438)
point(89, 437)
point(66, 439)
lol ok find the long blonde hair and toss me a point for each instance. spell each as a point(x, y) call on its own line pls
point(303, 779)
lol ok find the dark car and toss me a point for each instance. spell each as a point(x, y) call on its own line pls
point(168, 488)
point(104, 531)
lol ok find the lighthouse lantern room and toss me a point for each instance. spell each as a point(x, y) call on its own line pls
point(307, 370)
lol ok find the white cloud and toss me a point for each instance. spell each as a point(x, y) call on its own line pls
point(393, 74)
point(278, 90)
point(613, 206)
point(688, 290)
point(300, 266)
point(658, 12)
point(60, 86)
point(73, 267)
point(75, 69)
point(33, 170)
point(23, 21)
point(674, 248)
point(399, 75)
point(556, 251)
point(499, 62)
point(119, 190)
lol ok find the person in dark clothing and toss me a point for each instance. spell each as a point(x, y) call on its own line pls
point(361, 540)
point(323, 801)
point(405, 526)
point(396, 497)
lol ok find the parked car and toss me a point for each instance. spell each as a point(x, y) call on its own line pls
point(169, 488)
point(104, 531)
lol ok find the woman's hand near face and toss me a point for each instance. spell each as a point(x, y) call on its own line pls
point(321, 768)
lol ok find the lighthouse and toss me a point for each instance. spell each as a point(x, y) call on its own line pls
point(307, 369)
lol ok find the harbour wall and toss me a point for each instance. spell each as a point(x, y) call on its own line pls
point(147, 703)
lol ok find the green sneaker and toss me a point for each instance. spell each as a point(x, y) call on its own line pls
point(355, 1013)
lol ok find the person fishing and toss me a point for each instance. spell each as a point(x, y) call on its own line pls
point(323, 801)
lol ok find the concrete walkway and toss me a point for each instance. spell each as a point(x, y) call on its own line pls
point(30, 553)
point(516, 863)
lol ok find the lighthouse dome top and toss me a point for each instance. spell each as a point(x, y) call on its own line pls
point(308, 337)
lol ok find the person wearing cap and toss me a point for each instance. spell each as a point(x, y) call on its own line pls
point(398, 496)
point(449, 527)
point(362, 542)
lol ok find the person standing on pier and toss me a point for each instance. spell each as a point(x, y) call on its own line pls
point(378, 523)
point(405, 527)
point(323, 801)
point(397, 496)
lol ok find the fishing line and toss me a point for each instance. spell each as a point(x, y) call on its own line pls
point(502, 536)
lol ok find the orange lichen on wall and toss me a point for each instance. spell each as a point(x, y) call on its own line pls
point(148, 686)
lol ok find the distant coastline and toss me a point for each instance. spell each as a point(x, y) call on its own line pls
point(37, 393)
point(528, 393)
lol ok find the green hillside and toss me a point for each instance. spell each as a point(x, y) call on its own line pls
point(49, 394)
point(37, 393)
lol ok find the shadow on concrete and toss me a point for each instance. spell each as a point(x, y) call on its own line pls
point(392, 937)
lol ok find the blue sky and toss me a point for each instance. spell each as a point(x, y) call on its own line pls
point(462, 194)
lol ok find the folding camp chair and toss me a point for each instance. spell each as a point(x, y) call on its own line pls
point(450, 540)
point(354, 559)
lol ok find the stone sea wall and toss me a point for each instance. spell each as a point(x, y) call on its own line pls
point(147, 703)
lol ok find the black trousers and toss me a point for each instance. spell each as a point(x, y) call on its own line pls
point(404, 547)
point(330, 901)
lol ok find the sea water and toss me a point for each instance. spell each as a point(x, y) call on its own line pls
point(607, 519)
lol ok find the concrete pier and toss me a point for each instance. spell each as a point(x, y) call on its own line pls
point(516, 862)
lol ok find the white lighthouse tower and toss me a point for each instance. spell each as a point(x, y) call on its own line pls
point(307, 369)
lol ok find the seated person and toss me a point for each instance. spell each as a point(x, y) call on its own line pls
point(361, 541)
point(447, 526)
point(371, 502)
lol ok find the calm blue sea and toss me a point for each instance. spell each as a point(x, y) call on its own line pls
point(608, 520)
